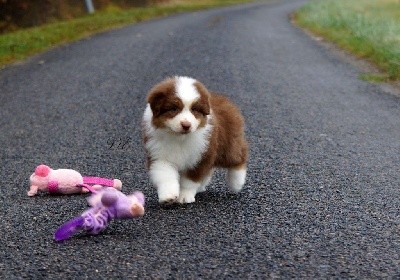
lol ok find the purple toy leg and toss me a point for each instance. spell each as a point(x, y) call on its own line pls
point(68, 229)
point(96, 221)
point(92, 221)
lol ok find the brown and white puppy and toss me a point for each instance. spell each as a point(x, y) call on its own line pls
point(188, 131)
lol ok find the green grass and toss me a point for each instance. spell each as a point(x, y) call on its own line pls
point(24, 43)
point(368, 28)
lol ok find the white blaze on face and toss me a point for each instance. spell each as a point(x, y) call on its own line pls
point(186, 90)
point(188, 93)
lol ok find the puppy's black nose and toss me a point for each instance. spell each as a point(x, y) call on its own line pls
point(185, 125)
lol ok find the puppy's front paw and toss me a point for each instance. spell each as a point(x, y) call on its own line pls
point(186, 196)
point(167, 197)
point(201, 189)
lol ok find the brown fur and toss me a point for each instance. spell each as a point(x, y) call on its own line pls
point(228, 147)
point(201, 108)
point(163, 102)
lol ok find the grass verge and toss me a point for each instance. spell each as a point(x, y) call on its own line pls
point(23, 43)
point(367, 28)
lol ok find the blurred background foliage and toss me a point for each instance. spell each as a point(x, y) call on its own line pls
point(17, 14)
point(28, 27)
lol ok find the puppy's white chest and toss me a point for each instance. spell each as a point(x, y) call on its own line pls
point(183, 151)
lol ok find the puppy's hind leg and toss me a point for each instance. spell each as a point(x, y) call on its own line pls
point(205, 182)
point(236, 177)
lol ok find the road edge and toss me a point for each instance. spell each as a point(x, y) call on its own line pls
point(363, 65)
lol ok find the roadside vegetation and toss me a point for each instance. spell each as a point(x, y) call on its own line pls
point(369, 29)
point(22, 43)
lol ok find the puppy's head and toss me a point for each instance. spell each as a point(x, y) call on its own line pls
point(180, 104)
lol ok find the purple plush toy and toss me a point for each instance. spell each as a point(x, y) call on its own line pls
point(106, 204)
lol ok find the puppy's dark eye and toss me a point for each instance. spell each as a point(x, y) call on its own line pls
point(199, 109)
point(169, 109)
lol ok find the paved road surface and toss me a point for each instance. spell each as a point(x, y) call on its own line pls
point(322, 198)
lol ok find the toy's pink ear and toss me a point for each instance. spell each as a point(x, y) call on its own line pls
point(42, 170)
point(140, 197)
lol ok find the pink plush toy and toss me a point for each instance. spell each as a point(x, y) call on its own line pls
point(66, 181)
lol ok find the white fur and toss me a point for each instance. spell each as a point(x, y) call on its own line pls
point(166, 178)
point(173, 153)
point(188, 190)
point(175, 123)
point(236, 179)
point(165, 145)
point(186, 90)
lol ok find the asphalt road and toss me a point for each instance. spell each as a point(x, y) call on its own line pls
point(322, 197)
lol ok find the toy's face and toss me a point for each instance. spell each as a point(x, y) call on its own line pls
point(41, 182)
point(41, 177)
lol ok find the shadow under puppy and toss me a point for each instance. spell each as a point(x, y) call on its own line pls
point(188, 132)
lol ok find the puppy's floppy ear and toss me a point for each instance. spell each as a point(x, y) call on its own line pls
point(156, 100)
point(158, 94)
point(204, 97)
